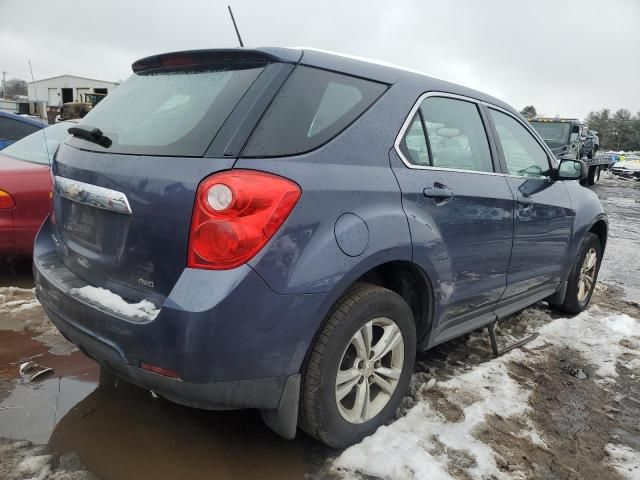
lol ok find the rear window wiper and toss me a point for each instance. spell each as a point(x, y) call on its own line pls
point(91, 134)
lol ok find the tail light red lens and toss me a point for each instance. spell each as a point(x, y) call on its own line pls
point(235, 214)
point(6, 200)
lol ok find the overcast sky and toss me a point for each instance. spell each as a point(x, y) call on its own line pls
point(566, 57)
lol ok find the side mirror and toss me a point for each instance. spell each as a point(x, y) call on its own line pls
point(572, 170)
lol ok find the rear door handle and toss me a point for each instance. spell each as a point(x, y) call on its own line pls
point(440, 194)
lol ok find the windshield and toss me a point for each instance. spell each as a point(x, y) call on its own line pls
point(34, 148)
point(555, 134)
point(169, 112)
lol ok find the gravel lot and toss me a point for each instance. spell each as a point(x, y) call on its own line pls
point(565, 406)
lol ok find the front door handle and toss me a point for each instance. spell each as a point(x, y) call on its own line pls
point(526, 201)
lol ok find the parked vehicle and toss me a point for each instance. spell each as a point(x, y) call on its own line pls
point(25, 188)
point(590, 145)
point(568, 138)
point(629, 168)
point(76, 110)
point(287, 238)
point(564, 136)
point(13, 127)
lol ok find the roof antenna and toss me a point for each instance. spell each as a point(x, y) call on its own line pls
point(35, 92)
point(235, 26)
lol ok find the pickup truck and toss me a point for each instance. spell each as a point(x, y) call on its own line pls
point(569, 139)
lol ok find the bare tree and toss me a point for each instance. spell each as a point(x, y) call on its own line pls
point(15, 87)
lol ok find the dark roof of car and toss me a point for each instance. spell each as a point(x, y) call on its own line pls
point(36, 122)
point(356, 66)
point(389, 73)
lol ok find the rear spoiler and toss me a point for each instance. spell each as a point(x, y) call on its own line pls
point(203, 58)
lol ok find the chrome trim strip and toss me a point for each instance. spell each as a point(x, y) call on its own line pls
point(414, 109)
point(92, 195)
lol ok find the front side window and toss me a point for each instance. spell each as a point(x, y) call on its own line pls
point(312, 107)
point(455, 134)
point(523, 154)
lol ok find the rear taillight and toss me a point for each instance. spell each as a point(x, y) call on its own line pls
point(6, 200)
point(235, 214)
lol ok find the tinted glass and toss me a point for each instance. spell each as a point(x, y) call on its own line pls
point(414, 144)
point(555, 134)
point(456, 135)
point(523, 154)
point(11, 129)
point(169, 113)
point(40, 146)
point(311, 108)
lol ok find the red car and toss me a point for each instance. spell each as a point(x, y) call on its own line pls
point(25, 188)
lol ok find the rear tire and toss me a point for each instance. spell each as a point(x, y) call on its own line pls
point(341, 421)
point(583, 277)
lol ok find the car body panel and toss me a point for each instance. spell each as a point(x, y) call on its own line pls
point(463, 244)
point(127, 253)
point(30, 185)
point(542, 232)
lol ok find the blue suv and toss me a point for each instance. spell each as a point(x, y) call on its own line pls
point(282, 229)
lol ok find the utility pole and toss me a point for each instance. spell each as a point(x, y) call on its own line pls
point(4, 85)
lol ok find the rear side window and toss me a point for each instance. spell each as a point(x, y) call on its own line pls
point(454, 132)
point(311, 108)
point(414, 144)
point(170, 112)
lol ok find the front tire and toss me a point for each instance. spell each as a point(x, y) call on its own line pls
point(359, 366)
point(594, 175)
point(583, 277)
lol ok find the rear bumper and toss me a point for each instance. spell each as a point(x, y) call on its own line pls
point(232, 340)
point(262, 393)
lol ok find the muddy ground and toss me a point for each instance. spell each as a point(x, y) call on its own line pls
point(574, 422)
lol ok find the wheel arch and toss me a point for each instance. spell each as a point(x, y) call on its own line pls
point(600, 229)
point(403, 277)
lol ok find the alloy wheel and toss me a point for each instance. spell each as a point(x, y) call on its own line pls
point(587, 275)
point(369, 370)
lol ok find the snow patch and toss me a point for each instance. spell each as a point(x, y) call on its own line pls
point(597, 338)
point(413, 446)
point(625, 460)
point(422, 443)
point(144, 310)
point(37, 467)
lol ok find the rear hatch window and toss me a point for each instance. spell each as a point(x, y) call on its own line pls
point(173, 108)
point(312, 107)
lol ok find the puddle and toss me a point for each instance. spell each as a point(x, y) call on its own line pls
point(123, 432)
point(31, 411)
